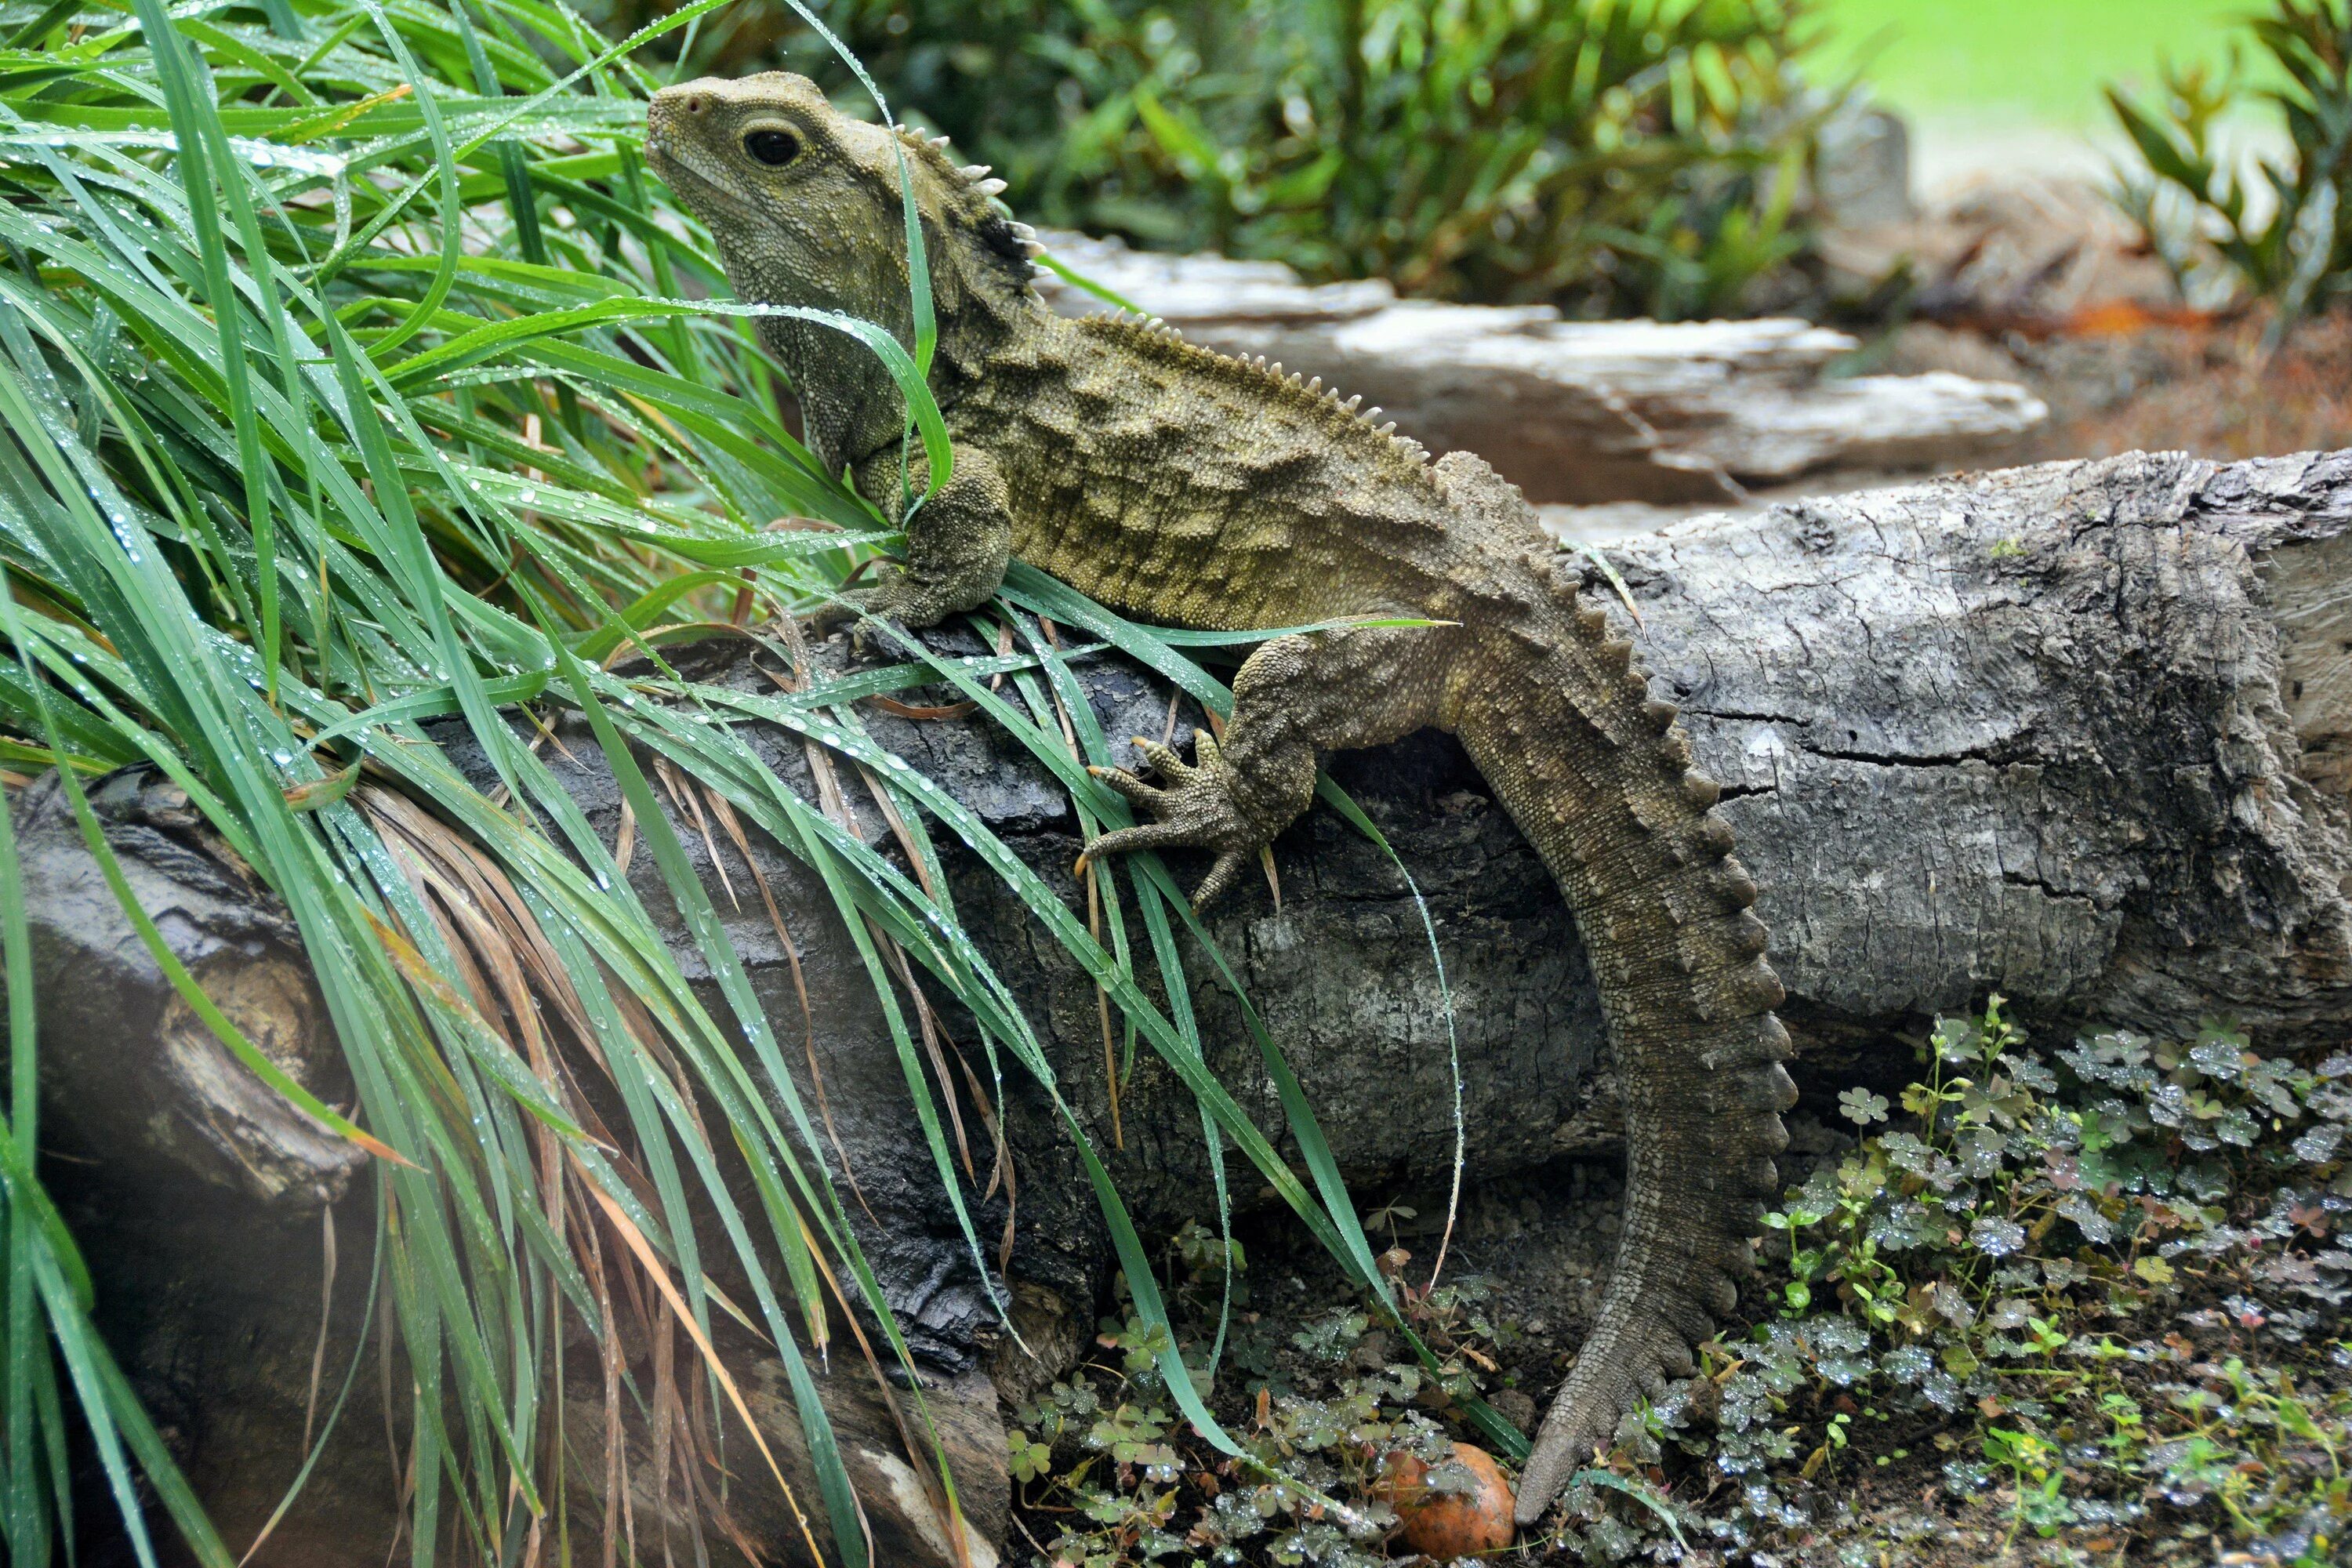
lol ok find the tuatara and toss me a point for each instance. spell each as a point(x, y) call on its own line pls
point(1193, 490)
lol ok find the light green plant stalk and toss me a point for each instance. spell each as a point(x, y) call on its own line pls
point(352, 382)
point(2278, 231)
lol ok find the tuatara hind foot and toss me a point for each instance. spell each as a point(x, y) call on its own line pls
point(1195, 805)
point(896, 598)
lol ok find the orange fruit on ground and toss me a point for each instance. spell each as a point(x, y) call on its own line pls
point(1448, 1524)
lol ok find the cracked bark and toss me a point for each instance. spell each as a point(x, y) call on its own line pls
point(2081, 734)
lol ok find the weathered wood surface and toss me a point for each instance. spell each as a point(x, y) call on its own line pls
point(2077, 733)
point(1573, 411)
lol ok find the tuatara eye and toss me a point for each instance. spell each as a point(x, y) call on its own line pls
point(773, 148)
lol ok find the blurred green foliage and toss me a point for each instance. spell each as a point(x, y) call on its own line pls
point(1608, 155)
point(2279, 231)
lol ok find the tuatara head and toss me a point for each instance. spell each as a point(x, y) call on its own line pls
point(804, 204)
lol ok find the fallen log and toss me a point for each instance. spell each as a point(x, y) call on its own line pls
point(1573, 412)
point(2080, 733)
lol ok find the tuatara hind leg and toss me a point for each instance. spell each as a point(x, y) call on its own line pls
point(1295, 698)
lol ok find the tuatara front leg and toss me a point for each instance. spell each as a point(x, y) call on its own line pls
point(957, 544)
point(1295, 698)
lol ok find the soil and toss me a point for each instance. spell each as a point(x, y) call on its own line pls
point(2215, 389)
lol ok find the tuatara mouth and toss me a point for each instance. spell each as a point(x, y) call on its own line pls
point(672, 155)
point(708, 198)
point(662, 152)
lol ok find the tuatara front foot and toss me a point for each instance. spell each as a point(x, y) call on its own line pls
point(1195, 806)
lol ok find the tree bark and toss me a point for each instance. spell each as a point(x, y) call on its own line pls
point(2081, 734)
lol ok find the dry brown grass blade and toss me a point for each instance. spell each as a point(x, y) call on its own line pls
point(922, 712)
point(625, 842)
point(462, 927)
point(689, 801)
point(658, 1422)
point(829, 798)
point(1094, 904)
point(480, 892)
point(532, 973)
point(407, 1489)
point(642, 1029)
point(484, 918)
point(502, 795)
point(733, 1308)
point(546, 734)
point(722, 808)
point(932, 1493)
point(1102, 1008)
point(384, 1343)
point(669, 631)
point(498, 925)
point(888, 806)
point(928, 1026)
point(421, 975)
point(608, 1346)
point(552, 1449)
point(650, 1262)
point(318, 1368)
point(926, 1020)
point(1002, 1169)
point(1003, 650)
point(835, 803)
point(733, 825)
point(712, 1504)
point(326, 1314)
point(1061, 712)
point(413, 964)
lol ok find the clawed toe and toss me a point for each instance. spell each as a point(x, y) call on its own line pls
point(905, 604)
point(1135, 791)
point(1150, 835)
point(852, 608)
point(1222, 877)
point(1192, 806)
point(1165, 761)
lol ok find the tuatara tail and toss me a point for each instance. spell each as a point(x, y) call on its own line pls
point(1599, 777)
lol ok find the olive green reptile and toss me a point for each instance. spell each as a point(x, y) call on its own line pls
point(1193, 490)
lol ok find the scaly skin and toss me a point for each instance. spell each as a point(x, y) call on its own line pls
point(1194, 490)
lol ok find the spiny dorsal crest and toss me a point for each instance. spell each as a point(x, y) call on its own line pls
point(1311, 390)
point(973, 192)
